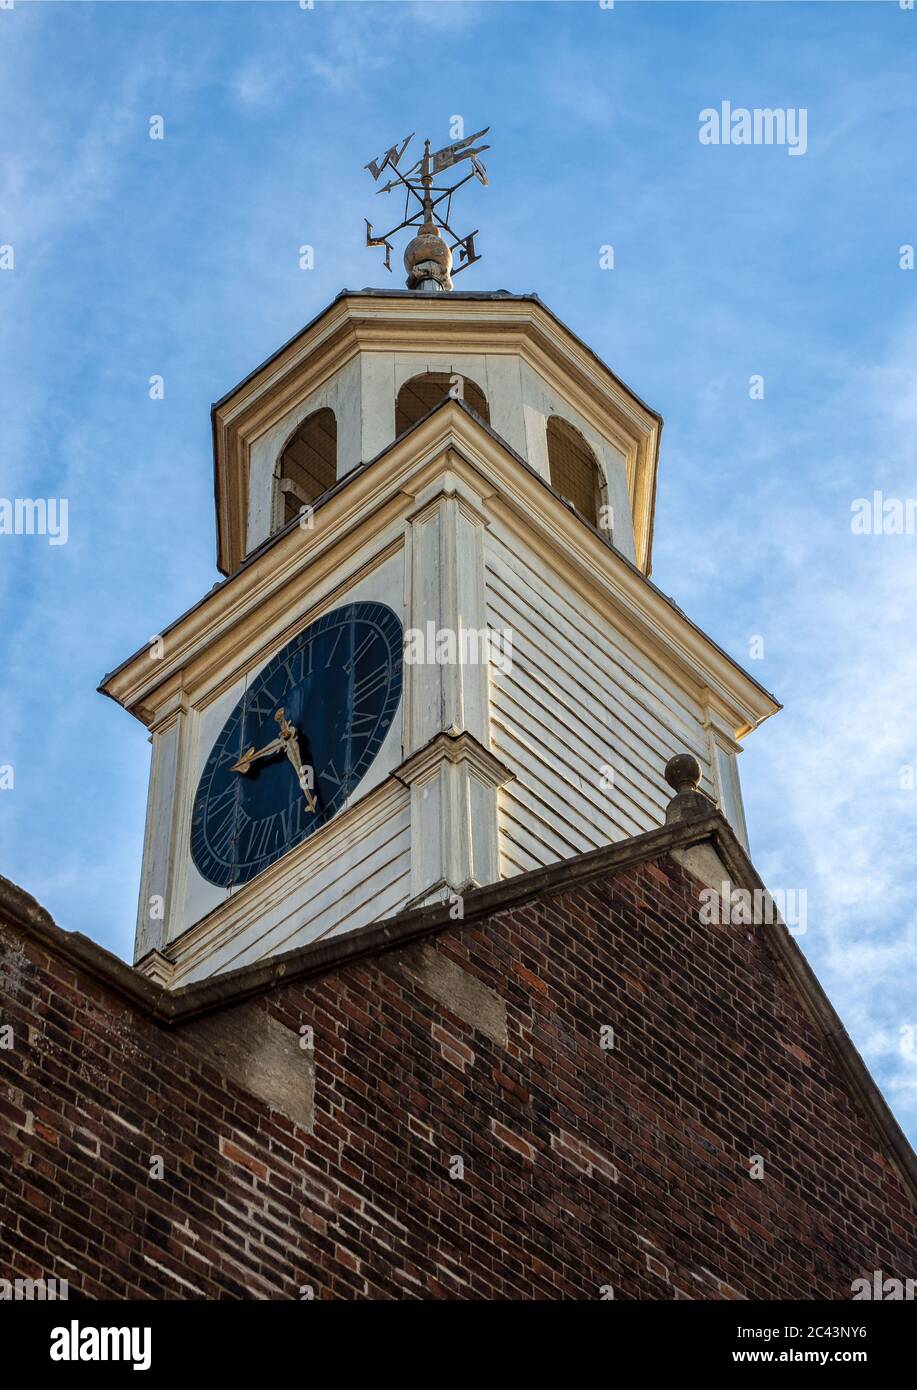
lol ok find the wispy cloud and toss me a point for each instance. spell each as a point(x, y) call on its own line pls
point(343, 48)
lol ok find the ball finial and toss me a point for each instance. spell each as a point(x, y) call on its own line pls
point(428, 260)
point(683, 773)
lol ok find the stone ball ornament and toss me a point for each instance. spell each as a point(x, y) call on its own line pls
point(683, 773)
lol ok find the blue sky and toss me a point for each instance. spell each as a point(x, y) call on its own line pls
point(179, 257)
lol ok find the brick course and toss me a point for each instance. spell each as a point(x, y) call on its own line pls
point(583, 1167)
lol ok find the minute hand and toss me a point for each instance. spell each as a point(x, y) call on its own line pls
point(290, 740)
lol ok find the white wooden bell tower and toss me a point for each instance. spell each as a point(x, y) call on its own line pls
point(466, 513)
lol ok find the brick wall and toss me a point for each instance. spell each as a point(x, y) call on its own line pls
point(583, 1166)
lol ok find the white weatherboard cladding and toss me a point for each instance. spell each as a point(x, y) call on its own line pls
point(200, 896)
point(581, 702)
point(168, 872)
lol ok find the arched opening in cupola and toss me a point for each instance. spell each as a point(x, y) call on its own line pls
point(308, 464)
point(423, 393)
point(575, 472)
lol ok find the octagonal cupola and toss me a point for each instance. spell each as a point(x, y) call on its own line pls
point(375, 362)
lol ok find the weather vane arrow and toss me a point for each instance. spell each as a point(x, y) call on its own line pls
point(444, 159)
point(428, 257)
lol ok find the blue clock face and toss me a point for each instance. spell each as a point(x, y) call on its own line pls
point(298, 743)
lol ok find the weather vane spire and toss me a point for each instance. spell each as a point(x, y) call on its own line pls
point(428, 257)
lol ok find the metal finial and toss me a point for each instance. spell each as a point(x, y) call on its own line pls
point(428, 256)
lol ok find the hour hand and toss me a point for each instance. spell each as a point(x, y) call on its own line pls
point(251, 754)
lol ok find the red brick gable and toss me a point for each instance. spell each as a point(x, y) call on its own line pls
point(474, 1048)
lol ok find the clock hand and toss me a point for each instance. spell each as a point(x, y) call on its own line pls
point(250, 755)
point(287, 742)
point(290, 740)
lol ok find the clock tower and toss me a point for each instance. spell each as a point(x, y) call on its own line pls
point(436, 658)
point(424, 942)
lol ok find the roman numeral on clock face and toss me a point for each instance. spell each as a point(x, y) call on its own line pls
point(337, 639)
point(220, 830)
point(288, 821)
point(217, 803)
point(331, 774)
point(262, 704)
point(368, 685)
point(360, 651)
point(255, 845)
point(294, 667)
point(363, 721)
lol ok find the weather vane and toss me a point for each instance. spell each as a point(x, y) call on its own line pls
point(428, 256)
